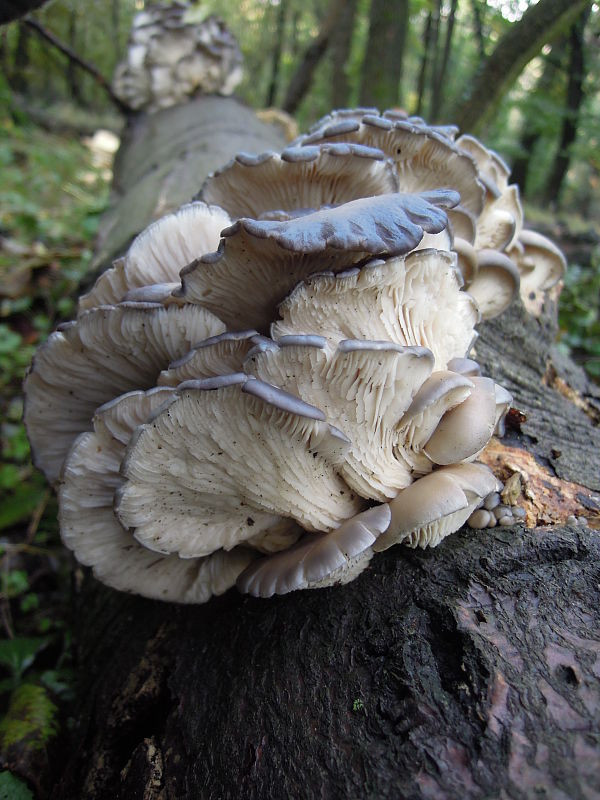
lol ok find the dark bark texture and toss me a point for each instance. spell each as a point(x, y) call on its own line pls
point(467, 671)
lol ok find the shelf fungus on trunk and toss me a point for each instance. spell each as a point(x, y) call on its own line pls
point(275, 382)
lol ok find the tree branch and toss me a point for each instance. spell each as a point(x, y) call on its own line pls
point(78, 61)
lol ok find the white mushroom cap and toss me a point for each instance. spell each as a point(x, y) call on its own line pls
point(441, 392)
point(218, 355)
point(467, 258)
point(503, 403)
point(90, 529)
point(159, 253)
point(496, 283)
point(364, 388)
point(228, 459)
point(466, 429)
point(260, 261)
point(436, 505)
point(425, 158)
point(493, 168)
point(541, 265)
point(301, 177)
point(109, 351)
point(500, 221)
point(318, 560)
point(408, 301)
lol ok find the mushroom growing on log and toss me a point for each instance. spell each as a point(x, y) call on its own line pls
point(428, 652)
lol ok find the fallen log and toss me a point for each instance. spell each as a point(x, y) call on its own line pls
point(466, 671)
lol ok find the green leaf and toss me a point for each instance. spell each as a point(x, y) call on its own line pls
point(20, 504)
point(12, 788)
point(19, 654)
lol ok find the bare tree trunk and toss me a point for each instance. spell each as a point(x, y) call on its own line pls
point(439, 82)
point(19, 79)
point(574, 101)
point(341, 43)
point(276, 56)
point(464, 672)
point(384, 56)
point(422, 83)
point(302, 78)
point(540, 24)
point(533, 127)
point(72, 77)
point(477, 9)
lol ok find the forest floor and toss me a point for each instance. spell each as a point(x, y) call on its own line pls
point(53, 192)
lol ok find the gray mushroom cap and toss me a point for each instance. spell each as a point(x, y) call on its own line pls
point(228, 459)
point(158, 254)
point(436, 505)
point(318, 560)
point(110, 350)
point(425, 157)
point(300, 178)
point(218, 355)
point(260, 261)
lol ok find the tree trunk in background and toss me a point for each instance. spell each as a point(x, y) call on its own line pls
point(21, 60)
point(422, 82)
point(437, 96)
point(384, 56)
point(302, 77)
point(13, 9)
point(540, 24)
point(465, 672)
point(478, 10)
point(116, 29)
point(276, 56)
point(574, 100)
point(72, 75)
point(533, 125)
point(341, 44)
point(434, 50)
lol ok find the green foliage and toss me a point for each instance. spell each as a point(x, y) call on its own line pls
point(12, 788)
point(579, 314)
point(31, 719)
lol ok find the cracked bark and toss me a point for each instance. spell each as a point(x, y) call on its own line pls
point(468, 671)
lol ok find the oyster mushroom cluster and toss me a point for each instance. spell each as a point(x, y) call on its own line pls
point(176, 51)
point(274, 382)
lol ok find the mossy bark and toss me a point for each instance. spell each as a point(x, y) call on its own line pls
point(467, 671)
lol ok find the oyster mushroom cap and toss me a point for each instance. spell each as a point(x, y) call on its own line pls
point(318, 560)
point(442, 391)
point(158, 254)
point(90, 529)
point(436, 505)
point(227, 460)
point(425, 157)
point(412, 301)
point(465, 429)
point(364, 388)
point(301, 177)
point(218, 355)
point(110, 350)
point(496, 283)
point(541, 264)
point(260, 261)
